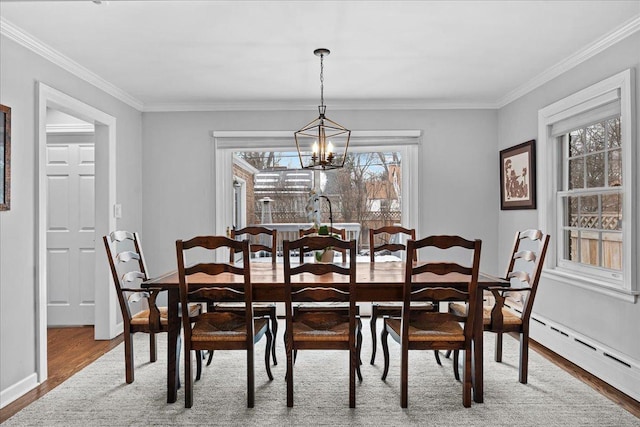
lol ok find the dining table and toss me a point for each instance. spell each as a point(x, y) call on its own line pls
point(375, 281)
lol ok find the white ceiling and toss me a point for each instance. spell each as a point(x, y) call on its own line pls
point(180, 55)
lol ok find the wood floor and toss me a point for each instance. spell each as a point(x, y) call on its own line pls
point(71, 349)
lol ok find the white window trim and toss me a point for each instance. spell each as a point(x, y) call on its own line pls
point(549, 159)
point(407, 142)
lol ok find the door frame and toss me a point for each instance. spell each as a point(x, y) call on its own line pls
point(105, 198)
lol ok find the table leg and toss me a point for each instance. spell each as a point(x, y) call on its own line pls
point(478, 349)
point(172, 345)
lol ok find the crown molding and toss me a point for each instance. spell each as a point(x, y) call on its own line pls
point(21, 37)
point(591, 50)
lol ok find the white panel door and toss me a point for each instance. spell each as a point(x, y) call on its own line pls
point(70, 230)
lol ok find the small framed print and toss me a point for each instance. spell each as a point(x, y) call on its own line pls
point(518, 176)
point(5, 158)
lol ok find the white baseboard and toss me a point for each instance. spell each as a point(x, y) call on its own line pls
point(612, 367)
point(18, 389)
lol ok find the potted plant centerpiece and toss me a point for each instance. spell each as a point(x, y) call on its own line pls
point(327, 254)
point(313, 214)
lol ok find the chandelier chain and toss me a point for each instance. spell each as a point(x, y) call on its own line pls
point(321, 80)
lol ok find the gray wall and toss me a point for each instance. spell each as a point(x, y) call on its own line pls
point(20, 70)
point(457, 174)
point(605, 319)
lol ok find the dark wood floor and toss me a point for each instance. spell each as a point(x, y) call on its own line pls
point(71, 349)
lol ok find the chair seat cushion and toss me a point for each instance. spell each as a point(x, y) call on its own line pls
point(321, 326)
point(223, 326)
point(142, 317)
point(429, 329)
point(508, 316)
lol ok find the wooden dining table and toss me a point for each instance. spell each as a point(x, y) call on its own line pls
point(381, 281)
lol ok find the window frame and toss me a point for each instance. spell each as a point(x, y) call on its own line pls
point(225, 143)
point(551, 180)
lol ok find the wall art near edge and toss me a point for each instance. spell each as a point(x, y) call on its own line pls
point(5, 158)
point(518, 176)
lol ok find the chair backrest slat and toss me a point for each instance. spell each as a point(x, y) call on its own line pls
point(127, 265)
point(261, 234)
point(526, 266)
point(384, 234)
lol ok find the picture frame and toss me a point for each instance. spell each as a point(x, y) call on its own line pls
point(5, 158)
point(518, 176)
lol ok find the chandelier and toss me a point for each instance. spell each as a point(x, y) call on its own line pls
point(322, 144)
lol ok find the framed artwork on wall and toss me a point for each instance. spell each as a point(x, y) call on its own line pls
point(518, 176)
point(5, 158)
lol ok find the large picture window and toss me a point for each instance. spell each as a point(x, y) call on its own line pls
point(587, 155)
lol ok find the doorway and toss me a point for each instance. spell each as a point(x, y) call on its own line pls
point(70, 169)
point(105, 318)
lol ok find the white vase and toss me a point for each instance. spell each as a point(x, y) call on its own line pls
point(327, 256)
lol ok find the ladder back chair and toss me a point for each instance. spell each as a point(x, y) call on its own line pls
point(385, 235)
point(326, 329)
point(129, 270)
point(220, 330)
point(258, 237)
point(424, 330)
point(511, 310)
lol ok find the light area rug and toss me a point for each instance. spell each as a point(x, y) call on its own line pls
point(99, 396)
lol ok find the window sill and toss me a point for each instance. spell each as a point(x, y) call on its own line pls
point(592, 284)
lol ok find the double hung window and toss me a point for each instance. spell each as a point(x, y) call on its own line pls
point(586, 164)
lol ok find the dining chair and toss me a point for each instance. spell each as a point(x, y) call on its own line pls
point(261, 239)
point(220, 330)
point(316, 330)
point(385, 237)
point(339, 232)
point(511, 308)
point(434, 330)
point(129, 269)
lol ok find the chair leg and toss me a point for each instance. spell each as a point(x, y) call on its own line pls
point(456, 369)
point(466, 385)
point(354, 366)
point(498, 353)
point(274, 328)
point(404, 375)
point(198, 364)
point(447, 354)
point(128, 356)
point(524, 357)
point(251, 386)
point(374, 344)
point(289, 374)
point(153, 354)
point(436, 353)
point(188, 377)
point(267, 351)
point(385, 352)
point(359, 344)
point(210, 357)
point(358, 350)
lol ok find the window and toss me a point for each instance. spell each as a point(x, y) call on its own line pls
point(227, 166)
point(587, 155)
point(366, 193)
